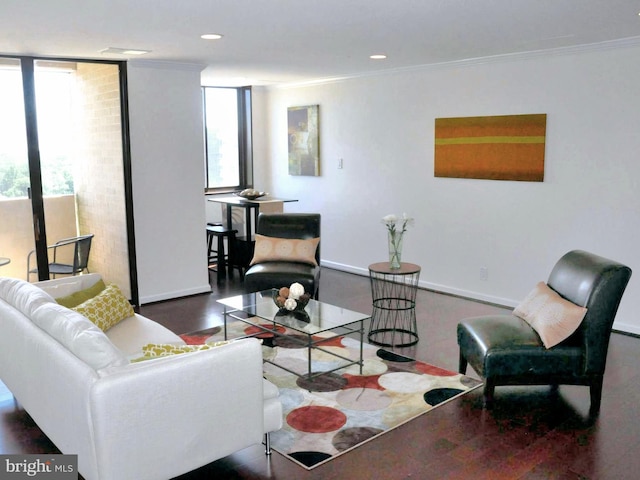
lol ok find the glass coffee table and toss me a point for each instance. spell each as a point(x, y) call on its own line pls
point(300, 327)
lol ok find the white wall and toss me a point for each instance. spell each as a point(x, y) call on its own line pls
point(383, 128)
point(167, 150)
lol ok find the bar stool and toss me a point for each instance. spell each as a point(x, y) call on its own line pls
point(219, 259)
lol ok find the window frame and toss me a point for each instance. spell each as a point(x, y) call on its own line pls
point(245, 141)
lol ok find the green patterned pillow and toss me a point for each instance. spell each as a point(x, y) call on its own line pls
point(156, 350)
point(106, 309)
point(82, 296)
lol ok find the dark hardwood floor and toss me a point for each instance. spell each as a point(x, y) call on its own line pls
point(531, 433)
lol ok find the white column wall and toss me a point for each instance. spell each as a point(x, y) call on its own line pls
point(167, 152)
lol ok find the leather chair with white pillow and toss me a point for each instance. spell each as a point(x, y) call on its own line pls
point(558, 335)
point(287, 250)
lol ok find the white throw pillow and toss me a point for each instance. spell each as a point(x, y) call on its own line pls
point(79, 335)
point(23, 296)
point(59, 289)
point(63, 286)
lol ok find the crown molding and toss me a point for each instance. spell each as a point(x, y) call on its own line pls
point(470, 62)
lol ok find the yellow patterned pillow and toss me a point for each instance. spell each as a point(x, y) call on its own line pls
point(165, 349)
point(106, 309)
point(274, 249)
point(156, 350)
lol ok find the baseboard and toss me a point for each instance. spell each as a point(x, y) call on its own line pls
point(175, 294)
point(619, 327)
point(625, 328)
point(471, 295)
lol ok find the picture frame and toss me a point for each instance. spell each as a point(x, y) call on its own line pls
point(502, 147)
point(304, 140)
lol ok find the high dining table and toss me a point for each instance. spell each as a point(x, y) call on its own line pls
point(232, 201)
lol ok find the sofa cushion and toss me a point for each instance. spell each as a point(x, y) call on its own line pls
point(79, 335)
point(550, 315)
point(81, 296)
point(23, 296)
point(274, 249)
point(269, 390)
point(132, 333)
point(107, 308)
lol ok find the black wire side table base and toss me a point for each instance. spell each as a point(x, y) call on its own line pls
point(393, 320)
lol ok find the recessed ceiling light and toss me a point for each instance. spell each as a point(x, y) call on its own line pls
point(378, 56)
point(125, 51)
point(211, 36)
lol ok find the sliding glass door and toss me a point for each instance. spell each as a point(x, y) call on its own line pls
point(62, 166)
point(22, 219)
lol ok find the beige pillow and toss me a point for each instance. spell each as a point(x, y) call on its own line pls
point(550, 315)
point(107, 308)
point(274, 249)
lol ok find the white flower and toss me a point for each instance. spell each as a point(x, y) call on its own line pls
point(391, 220)
point(406, 221)
point(290, 304)
point(296, 291)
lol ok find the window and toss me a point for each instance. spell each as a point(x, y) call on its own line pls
point(227, 123)
point(55, 83)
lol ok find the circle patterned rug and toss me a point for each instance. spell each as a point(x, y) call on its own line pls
point(334, 413)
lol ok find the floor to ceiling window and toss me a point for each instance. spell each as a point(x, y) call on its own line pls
point(62, 163)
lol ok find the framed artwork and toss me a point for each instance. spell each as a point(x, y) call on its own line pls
point(504, 147)
point(304, 141)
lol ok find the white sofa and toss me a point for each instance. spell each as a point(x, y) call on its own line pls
point(154, 419)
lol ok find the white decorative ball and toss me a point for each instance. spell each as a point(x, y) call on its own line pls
point(290, 304)
point(296, 291)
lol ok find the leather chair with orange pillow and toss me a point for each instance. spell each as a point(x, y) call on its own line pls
point(287, 250)
point(558, 335)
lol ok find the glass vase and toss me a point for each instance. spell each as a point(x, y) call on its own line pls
point(395, 249)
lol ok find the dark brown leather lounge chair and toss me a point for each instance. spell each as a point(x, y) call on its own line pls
point(505, 350)
point(276, 274)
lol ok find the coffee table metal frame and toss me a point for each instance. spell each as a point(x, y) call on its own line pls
point(317, 317)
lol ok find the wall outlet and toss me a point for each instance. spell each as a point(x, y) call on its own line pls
point(484, 274)
point(339, 163)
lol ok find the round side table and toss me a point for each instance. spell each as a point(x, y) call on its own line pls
point(393, 320)
point(4, 261)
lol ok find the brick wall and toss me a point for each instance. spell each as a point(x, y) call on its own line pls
point(100, 174)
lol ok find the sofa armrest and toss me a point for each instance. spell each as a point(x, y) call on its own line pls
point(160, 418)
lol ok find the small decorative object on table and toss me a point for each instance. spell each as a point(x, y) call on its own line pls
point(250, 194)
point(291, 298)
point(395, 237)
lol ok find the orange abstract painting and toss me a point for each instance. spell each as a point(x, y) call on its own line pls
point(504, 147)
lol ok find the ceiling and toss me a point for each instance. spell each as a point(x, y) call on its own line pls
point(270, 42)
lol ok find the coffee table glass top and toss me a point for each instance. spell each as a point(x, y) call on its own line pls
point(317, 316)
